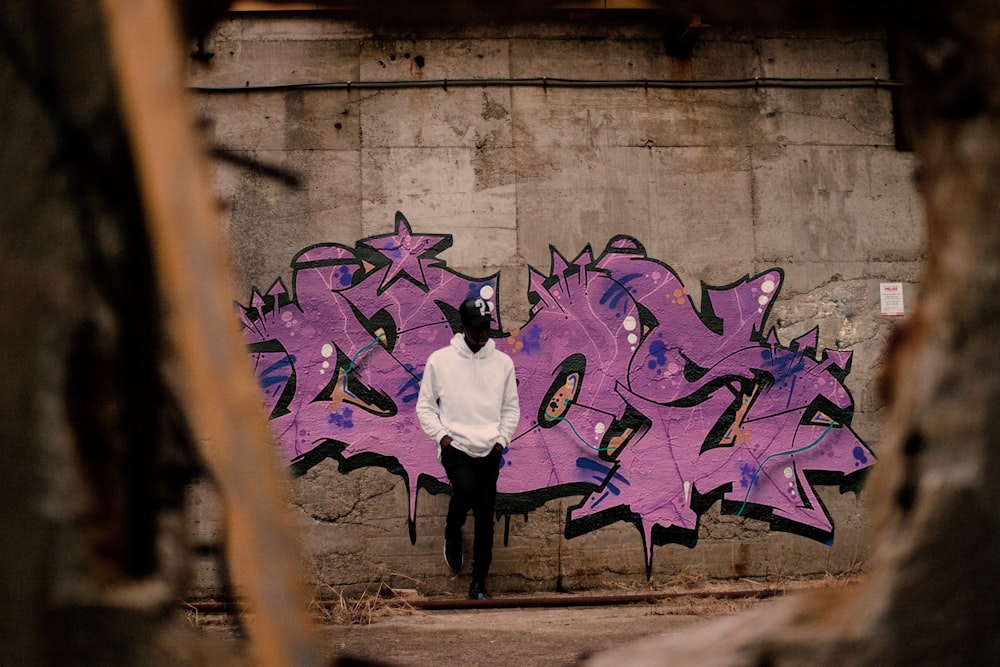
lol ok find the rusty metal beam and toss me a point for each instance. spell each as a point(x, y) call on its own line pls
point(439, 603)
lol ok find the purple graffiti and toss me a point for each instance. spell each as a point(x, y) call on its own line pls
point(649, 408)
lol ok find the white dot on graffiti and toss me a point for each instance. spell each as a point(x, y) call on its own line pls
point(486, 291)
point(327, 350)
point(632, 339)
point(322, 372)
point(672, 368)
point(285, 316)
point(788, 472)
point(762, 300)
point(629, 323)
point(767, 286)
point(599, 428)
point(326, 364)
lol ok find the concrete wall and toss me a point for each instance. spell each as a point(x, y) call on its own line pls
point(712, 185)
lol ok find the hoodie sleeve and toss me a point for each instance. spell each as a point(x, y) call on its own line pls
point(510, 410)
point(428, 409)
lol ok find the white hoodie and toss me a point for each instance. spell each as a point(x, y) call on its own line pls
point(471, 397)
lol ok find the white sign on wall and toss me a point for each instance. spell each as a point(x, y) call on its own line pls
point(891, 296)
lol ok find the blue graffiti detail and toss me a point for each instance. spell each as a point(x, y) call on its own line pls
point(412, 385)
point(343, 275)
point(343, 419)
point(270, 376)
point(859, 455)
point(784, 366)
point(658, 350)
point(617, 291)
point(604, 470)
point(531, 339)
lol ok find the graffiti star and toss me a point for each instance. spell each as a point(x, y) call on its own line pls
point(407, 253)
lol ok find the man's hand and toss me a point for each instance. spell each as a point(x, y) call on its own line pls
point(499, 447)
point(446, 441)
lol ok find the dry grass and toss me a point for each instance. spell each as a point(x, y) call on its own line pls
point(328, 606)
point(335, 609)
point(706, 607)
point(688, 578)
point(197, 618)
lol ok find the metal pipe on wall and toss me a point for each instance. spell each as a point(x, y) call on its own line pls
point(545, 82)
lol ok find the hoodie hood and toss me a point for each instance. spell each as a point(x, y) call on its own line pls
point(458, 342)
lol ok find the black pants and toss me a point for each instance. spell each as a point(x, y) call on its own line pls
point(474, 486)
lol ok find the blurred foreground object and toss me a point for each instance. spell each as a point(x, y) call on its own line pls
point(118, 345)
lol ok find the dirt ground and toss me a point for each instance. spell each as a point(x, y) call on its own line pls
point(394, 632)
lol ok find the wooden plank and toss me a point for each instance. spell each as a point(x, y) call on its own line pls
point(217, 384)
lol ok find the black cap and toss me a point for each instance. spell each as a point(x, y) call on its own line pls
point(475, 313)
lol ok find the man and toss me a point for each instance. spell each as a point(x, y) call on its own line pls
point(468, 405)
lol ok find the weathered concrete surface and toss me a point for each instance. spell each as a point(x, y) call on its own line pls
point(717, 183)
